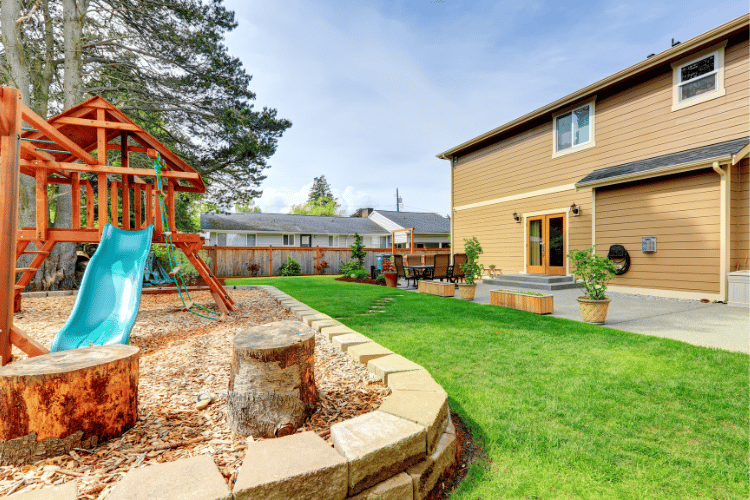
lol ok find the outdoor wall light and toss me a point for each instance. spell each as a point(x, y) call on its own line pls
point(575, 209)
point(516, 217)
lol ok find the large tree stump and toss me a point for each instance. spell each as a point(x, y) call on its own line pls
point(70, 399)
point(272, 384)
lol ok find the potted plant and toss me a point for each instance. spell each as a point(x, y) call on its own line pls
point(389, 271)
point(472, 269)
point(592, 272)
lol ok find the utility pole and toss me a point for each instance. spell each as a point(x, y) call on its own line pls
point(398, 201)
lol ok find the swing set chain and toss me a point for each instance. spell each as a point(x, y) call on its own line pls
point(172, 250)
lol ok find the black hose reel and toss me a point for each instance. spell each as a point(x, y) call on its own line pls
point(620, 257)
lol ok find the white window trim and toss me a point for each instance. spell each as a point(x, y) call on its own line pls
point(291, 237)
point(717, 50)
point(581, 147)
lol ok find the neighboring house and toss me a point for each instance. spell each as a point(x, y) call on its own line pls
point(254, 229)
point(656, 151)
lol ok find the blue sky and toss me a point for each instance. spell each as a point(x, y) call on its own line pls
point(376, 89)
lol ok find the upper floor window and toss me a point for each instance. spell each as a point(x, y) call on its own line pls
point(698, 77)
point(574, 129)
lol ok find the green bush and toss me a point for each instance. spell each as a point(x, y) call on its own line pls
point(290, 268)
point(592, 271)
point(358, 252)
point(472, 269)
point(360, 274)
point(348, 268)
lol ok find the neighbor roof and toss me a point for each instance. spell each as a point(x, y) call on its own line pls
point(670, 55)
point(289, 223)
point(663, 165)
point(422, 222)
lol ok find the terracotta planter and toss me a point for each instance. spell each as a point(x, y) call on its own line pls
point(537, 304)
point(467, 291)
point(391, 279)
point(594, 311)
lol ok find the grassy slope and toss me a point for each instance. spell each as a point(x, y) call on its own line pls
point(565, 409)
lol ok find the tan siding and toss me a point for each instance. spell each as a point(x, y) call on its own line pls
point(740, 217)
point(631, 125)
point(685, 224)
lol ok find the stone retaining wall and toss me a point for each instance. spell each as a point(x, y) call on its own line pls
point(397, 452)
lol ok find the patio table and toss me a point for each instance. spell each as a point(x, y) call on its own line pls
point(420, 272)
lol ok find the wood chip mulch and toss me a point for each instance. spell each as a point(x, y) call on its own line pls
point(182, 356)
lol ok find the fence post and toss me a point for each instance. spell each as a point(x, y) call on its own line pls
point(270, 260)
point(216, 257)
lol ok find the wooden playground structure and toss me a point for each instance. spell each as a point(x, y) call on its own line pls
point(72, 148)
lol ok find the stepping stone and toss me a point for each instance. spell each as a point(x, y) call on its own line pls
point(347, 340)
point(428, 409)
point(393, 363)
point(426, 474)
point(399, 487)
point(365, 352)
point(195, 478)
point(377, 446)
point(333, 331)
point(67, 491)
point(295, 467)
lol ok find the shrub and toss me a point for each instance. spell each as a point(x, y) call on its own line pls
point(253, 268)
point(321, 267)
point(348, 268)
point(290, 268)
point(380, 278)
point(360, 274)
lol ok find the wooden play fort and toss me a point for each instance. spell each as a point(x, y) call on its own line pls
point(78, 148)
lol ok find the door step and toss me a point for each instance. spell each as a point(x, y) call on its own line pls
point(533, 282)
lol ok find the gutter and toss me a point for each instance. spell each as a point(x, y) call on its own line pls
point(664, 57)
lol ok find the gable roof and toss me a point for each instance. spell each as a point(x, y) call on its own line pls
point(422, 222)
point(289, 223)
point(663, 58)
point(664, 165)
point(79, 125)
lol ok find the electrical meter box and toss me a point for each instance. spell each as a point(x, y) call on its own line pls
point(648, 244)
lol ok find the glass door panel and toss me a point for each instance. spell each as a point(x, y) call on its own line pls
point(536, 245)
point(555, 244)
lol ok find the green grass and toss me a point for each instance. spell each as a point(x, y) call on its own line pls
point(564, 409)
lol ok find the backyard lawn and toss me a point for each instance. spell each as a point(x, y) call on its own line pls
point(563, 409)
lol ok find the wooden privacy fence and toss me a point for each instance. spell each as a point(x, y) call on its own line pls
point(228, 262)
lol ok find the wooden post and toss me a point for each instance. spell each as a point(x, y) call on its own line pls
point(76, 193)
point(89, 206)
point(113, 203)
point(101, 152)
point(10, 118)
point(170, 207)
point(158, 229)
point(412, 240)
point(42, 212)
point(149, 204)
point(103, 203)
point(125, 163)
point(137, 209)
point(270, 260)
point(216, 258)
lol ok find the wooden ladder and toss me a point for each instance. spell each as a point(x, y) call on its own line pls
point(27, 273)
point(220, 295)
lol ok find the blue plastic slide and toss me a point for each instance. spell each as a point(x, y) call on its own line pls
point(110, 293)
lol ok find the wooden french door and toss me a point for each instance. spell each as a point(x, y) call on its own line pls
point(545, 244)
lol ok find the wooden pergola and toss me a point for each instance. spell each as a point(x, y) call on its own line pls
point(59, 151)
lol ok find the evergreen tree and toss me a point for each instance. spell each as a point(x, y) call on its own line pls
point(358, 251)
point(320, 200)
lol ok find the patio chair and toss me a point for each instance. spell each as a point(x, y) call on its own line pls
point(429, 259)
point(457, 272)
point(413, 260)
point(441, 262)
point(402, 273)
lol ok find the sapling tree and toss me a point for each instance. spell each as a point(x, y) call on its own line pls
point(358, 251)
point(472, 269)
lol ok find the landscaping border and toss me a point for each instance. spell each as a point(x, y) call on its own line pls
point(397, 452)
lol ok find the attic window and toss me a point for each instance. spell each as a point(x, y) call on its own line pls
point(698, 78)
point(574, 129)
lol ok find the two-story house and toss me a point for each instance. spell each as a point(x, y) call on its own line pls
point(653, 158)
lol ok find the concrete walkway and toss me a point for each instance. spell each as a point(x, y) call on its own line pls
point(710, 325)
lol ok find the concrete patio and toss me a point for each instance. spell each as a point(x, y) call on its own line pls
point(711, 325)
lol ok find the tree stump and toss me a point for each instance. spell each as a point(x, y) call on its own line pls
point(272, 384)
point(70, 399)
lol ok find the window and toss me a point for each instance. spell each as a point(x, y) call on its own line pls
point(574, 129)
point(236, 240)
point(384, 242)
point(333, 241)
point(289, 239)
point(221, 239)
point(698, 78)
point(251, 240)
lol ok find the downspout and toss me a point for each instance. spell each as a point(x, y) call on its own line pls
point(453, 213)
point(724, 230)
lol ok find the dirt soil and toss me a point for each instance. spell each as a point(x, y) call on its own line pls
point(182, 356)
